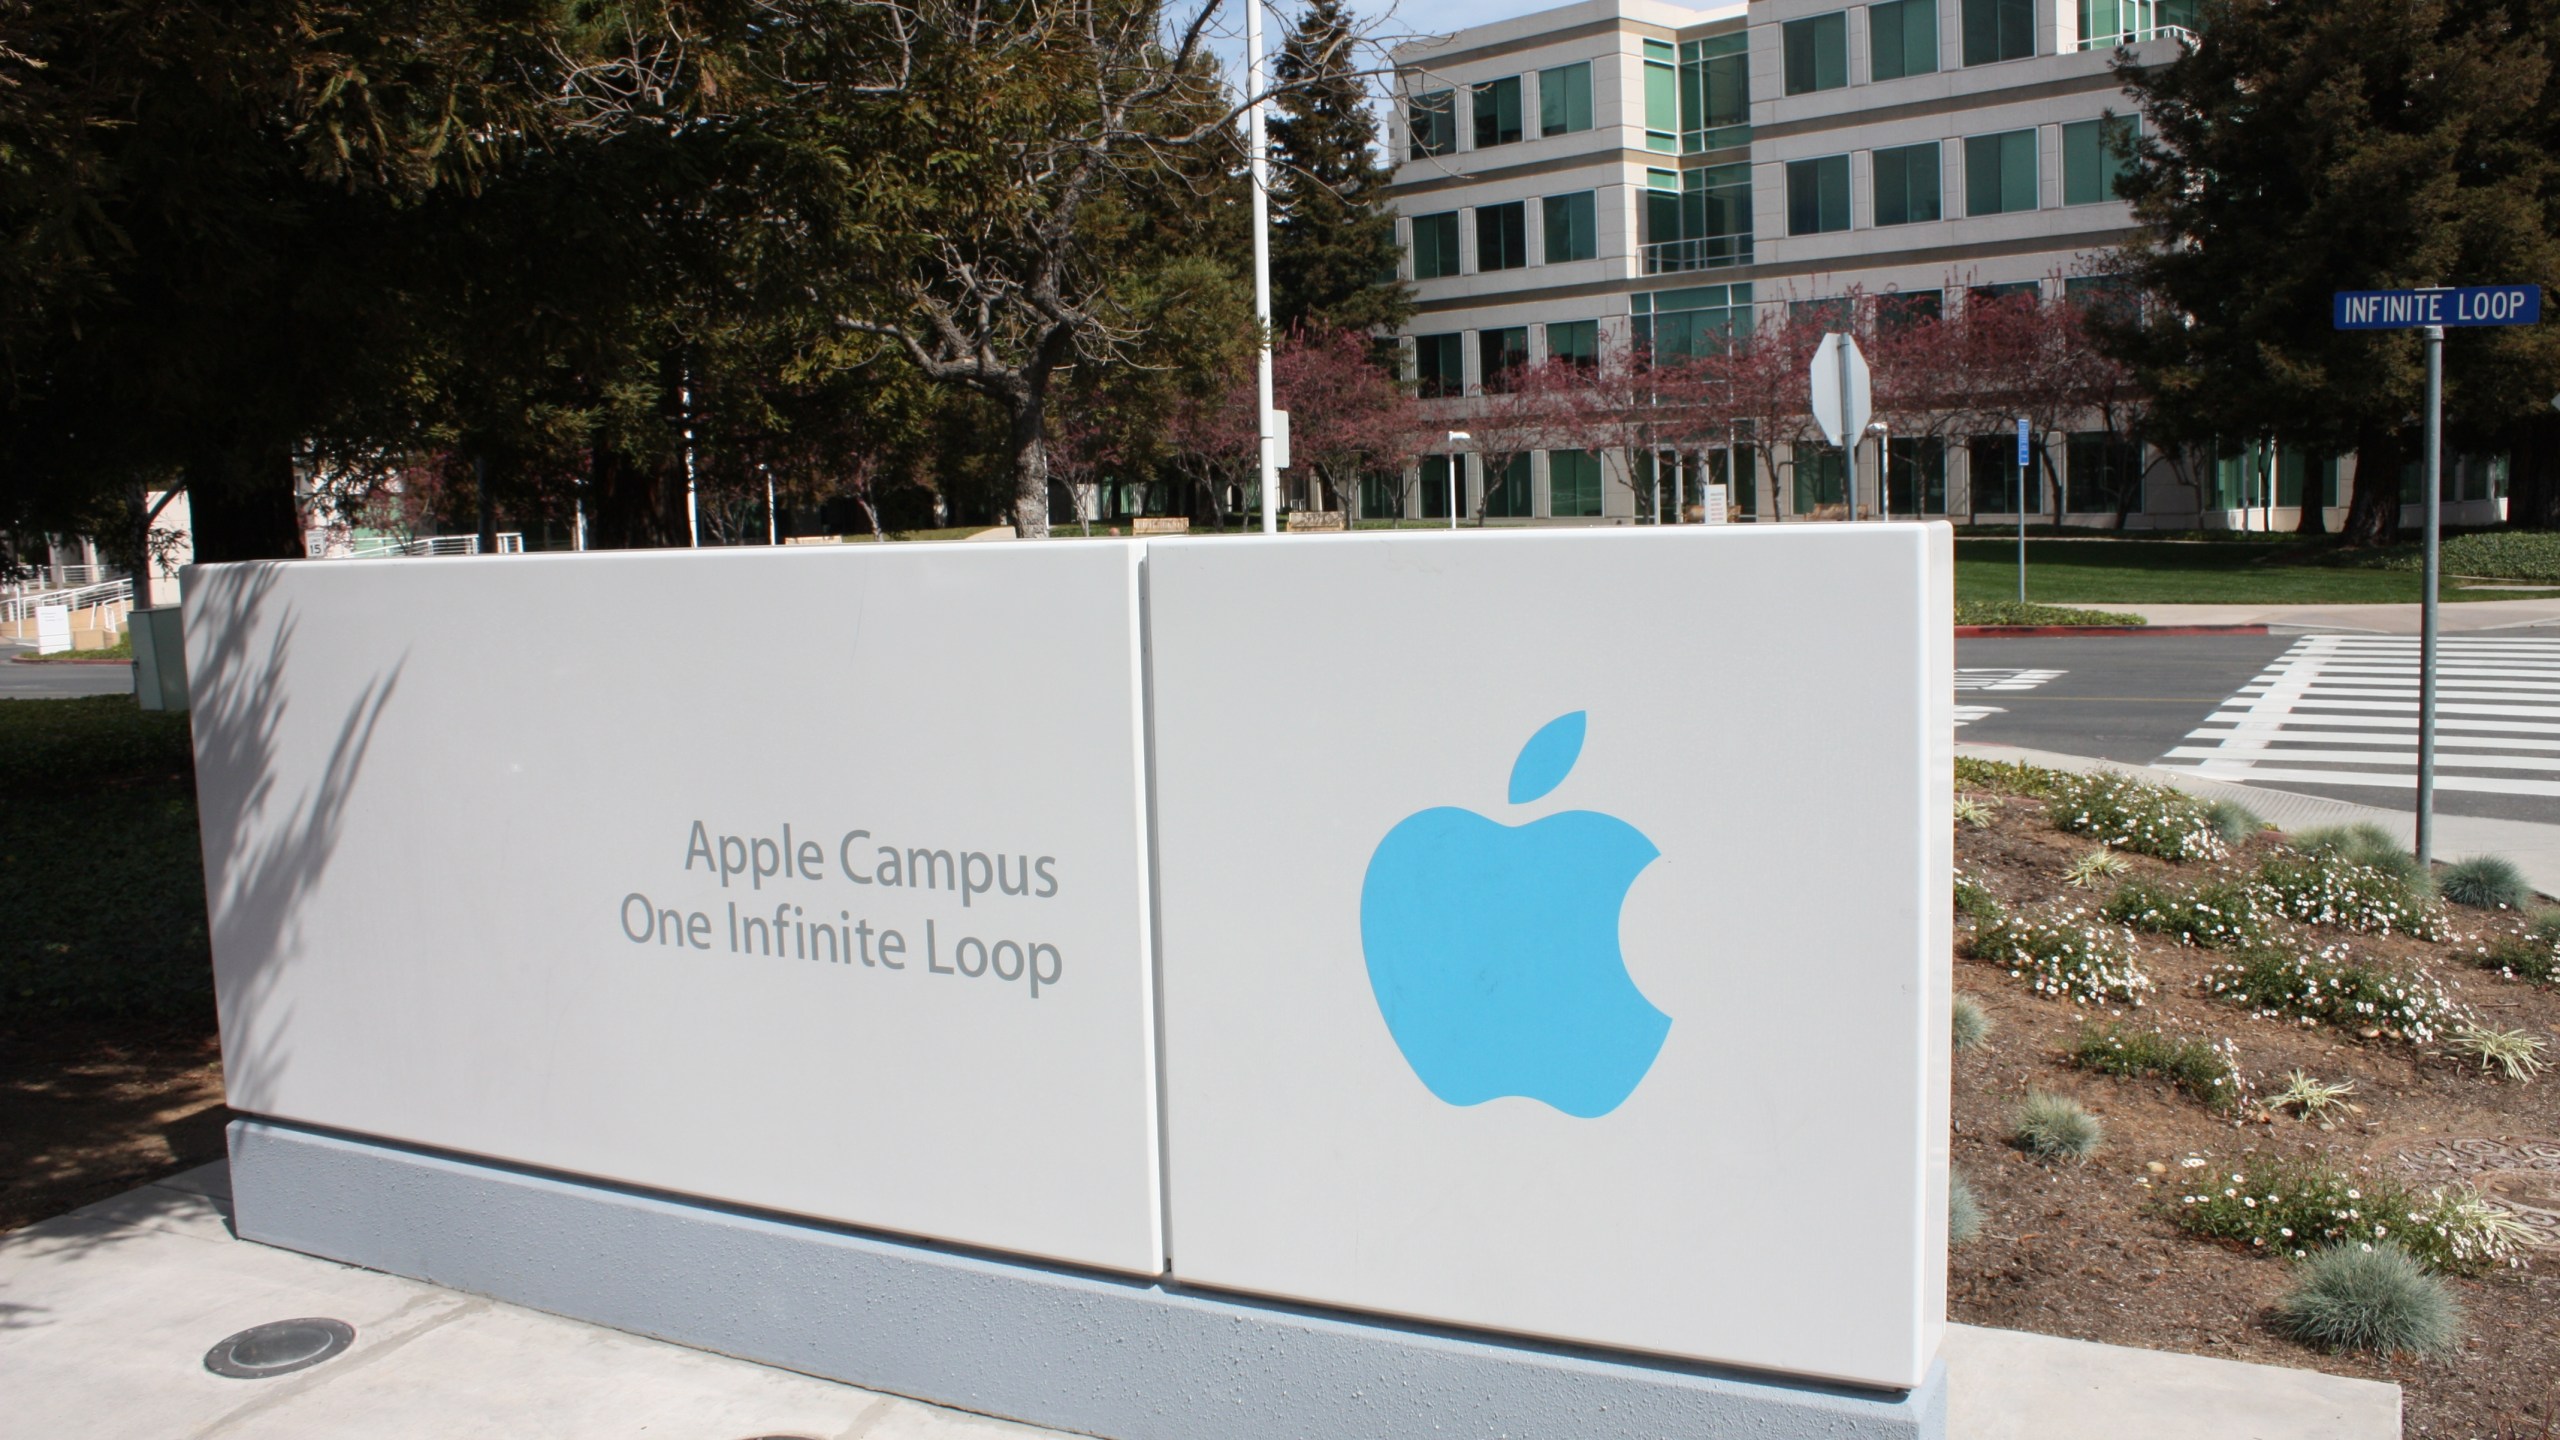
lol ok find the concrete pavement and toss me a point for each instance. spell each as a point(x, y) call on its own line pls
point(106, 1315)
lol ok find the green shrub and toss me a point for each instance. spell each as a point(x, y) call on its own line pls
point(2233, 821)
point(2330, 889)
point(2021, 612)
point(2293, 1207)
point(2004, 777)
point(2133, 815)
point(2370, 1297)
point(2519, 957)
point(1974, 900)
point(2199, 1067)
point(2485, 882)
point(2504, 555)
point(2228, 914)
point(1971, 1028)
point(2365, 844)
point(1964, 1210)
point(2330, 986)
point(2057, 1127)
point(2063, 955)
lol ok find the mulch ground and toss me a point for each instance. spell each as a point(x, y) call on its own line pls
point(89, 1109)
point(2088, 1251)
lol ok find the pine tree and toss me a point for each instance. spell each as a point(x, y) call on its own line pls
point(1333, 244)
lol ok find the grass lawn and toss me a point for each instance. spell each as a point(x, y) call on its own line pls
point(2159, 572)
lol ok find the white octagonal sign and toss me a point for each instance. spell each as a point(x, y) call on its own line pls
point(812, 880)
point(1555, 932)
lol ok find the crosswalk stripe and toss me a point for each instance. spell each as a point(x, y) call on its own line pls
point(2343, 710)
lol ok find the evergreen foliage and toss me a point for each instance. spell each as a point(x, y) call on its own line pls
point(1333, 236)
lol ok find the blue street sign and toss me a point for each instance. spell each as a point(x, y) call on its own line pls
point(2022, 442)
point(2450, 305)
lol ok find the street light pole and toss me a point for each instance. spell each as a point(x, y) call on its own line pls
point(1884, 472)
point(1456, 439)
point(1258, 157)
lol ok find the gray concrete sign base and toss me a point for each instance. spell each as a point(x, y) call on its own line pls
point(1071, 1351)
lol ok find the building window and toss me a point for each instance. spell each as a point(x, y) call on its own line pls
point(1899, 310)
point(1576, 342)
point(1496, 104)
point(1434, 123)
point(2000, 173)
point(1993, 461)
point(1437, 472)
point(1502, 236)
point(1902, 39)
point(1699, 320)
point(1573, 227)
point(1435, 245)
point(2106, 24)
point(2100, 470)
point(1832, 312)
point(1381, 495)
point(1915, 476)
point(1996, 30)
point(2015, 292)
point(1698, 219)
point(2095, 154)
point(1661, 97)
point(1715, 92)
point(1506, 491)
point(1573, 483)
point(1907, 184)
point(1817, 52)
point(1500, 354)
point(1564, 99)
point(1439, 365)
point(1818, 195)
point(1821, 478)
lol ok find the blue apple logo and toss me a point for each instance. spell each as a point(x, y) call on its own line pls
point(1493, 948)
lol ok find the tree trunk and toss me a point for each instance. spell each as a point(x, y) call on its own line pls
point(2533, 484)
point(2373, 516)
point(1030, 447)
point(487, 528)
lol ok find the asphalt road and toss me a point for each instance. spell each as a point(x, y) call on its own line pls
point(2134, 698)
point(55, 682)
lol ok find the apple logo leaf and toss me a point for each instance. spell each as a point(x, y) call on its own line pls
point(1547, 758)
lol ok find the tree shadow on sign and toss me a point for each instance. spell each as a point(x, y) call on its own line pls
point(264, 851)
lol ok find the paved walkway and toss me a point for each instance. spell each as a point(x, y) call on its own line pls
point(2462, 618)
point(2535, 848)
point(106, 1315)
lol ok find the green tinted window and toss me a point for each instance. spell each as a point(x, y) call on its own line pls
point(1506, 492)
point(1496, 106)
point(1573, 483)
point(1440, 365)
point(1817, 52)
point(1818, 195)
point(1907, 184)
point(1499, 353)
point(1434, 123)
point(1572, 227)
point(1577, 341)
point(1902, 39)
point(1996, 30)
point(1564, 99)
point(2094, 154)
point(1435, 245)
point(1661, 98)
point(2000, 173)
point(1502, 236)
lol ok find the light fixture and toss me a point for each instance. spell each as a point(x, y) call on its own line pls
point(279, 1347)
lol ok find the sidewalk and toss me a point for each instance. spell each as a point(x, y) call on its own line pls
point(2467, 617)
point(106, 1315)
point(2535, 848)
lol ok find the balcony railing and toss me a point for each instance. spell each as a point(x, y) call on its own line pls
point(1712, 252)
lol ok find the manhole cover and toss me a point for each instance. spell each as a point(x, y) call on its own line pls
point(2521, 1177)
point(279, 1347)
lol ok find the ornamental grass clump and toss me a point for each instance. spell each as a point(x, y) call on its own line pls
point(2068, 955)
point(1964, 1210)
point(1972, 813)
point(2485, 882)
point(1970, 1028)
point(2132, 815)
point(2324, 888)
point(2226, 914)
point(2233, 821)
point(2201, 1068)
point(2370, 1297)
point(2330, 986)
point(2057, 1127)
point(2294, 1207)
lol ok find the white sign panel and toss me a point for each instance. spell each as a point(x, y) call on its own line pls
point(810, 879)
point(1838, 374)
point(1718, 507)
point(1564, 982)
point(53, 629)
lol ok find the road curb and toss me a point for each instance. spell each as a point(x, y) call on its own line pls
point(31, 660)
point(2008, 632)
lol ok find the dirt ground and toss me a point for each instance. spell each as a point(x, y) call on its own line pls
point(90, 1109)
point(2087, 1250)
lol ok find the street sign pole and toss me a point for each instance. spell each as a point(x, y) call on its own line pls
point(2432, 509)
point(2429, 311)
point(2022, 511)
point(1849, 437)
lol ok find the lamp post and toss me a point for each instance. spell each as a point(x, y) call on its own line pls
point(1884, 473)
point(1456, 439)
point(1258, 160)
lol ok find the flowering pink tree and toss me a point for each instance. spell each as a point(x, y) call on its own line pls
point(1349, 416)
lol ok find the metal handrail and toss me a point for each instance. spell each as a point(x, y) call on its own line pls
point(1710, 252)
point(18, 607)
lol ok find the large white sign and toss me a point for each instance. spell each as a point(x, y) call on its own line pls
point(812, 880)
point(1554, 932)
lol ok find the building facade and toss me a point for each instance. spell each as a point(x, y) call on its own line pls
point(1634, 172)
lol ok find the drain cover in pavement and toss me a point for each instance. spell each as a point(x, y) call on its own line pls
point(2521, 1177)
point(279, 1347)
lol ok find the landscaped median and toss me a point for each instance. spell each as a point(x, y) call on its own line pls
point(2281, 1098)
